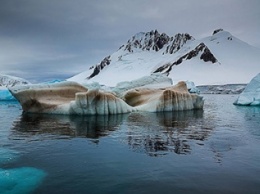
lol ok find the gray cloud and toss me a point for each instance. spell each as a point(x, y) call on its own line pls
point(47, 39)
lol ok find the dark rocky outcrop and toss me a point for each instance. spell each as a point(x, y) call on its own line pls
point(206, 56)
point(177, 42)
point(153, 40)
point(98, 68)
point(217, 30)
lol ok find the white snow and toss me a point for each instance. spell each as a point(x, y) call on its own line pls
point(156, 80)
point(9, 81)
point(237, 63)
point(251, 94)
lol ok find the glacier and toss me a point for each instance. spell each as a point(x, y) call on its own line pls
point(150, 94)
point(251, 95)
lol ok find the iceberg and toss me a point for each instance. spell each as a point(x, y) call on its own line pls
point(47, 98)
point(155, 80)
point(251, 95)
point(191, 87)
point(20, 180)
point(5, 94)
point(175, 98)
point(150, 94)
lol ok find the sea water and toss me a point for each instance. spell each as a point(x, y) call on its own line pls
point(216, 150)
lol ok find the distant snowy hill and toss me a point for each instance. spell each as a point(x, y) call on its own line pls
point(10, 81)
point(218, 59)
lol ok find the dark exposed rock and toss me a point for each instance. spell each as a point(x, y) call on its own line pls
point(218, 30)
point(177, 42)
point(153, 40)
point(206, 56)
point(98, 68)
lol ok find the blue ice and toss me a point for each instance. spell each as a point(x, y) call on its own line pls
point(6, 95)
point(20, 180)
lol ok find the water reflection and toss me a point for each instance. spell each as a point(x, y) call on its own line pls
point(161, 133)
point(70, 126)
point(251, 116)
point(151, 133)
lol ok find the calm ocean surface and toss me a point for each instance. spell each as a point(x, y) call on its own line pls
point(216, 150)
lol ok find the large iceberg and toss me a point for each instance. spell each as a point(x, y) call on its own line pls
point(251, 94)
point(73, 98)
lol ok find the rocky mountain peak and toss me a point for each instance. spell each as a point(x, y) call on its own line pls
point(156, 41)
point(217, 30)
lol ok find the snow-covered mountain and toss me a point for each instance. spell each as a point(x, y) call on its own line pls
point(10, 81)
point(218, 59)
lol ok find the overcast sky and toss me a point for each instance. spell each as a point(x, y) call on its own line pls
point(42, 40)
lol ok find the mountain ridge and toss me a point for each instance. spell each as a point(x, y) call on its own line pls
point(154, 52)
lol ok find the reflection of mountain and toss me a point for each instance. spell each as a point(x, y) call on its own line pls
point(62, 125)
point(160, 133)
point(151, 133)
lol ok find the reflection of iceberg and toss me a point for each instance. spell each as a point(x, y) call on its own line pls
point(251, 116)
point(20, 180)
point(73, 98)
point(70, 126)
point(150, 133)
point(160, 133)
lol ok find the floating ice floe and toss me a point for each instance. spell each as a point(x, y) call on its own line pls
point(151, 94)
point(251, 94)
point(20, 180)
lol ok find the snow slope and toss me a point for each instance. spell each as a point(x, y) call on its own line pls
point(218, 59)
point(9, 81)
